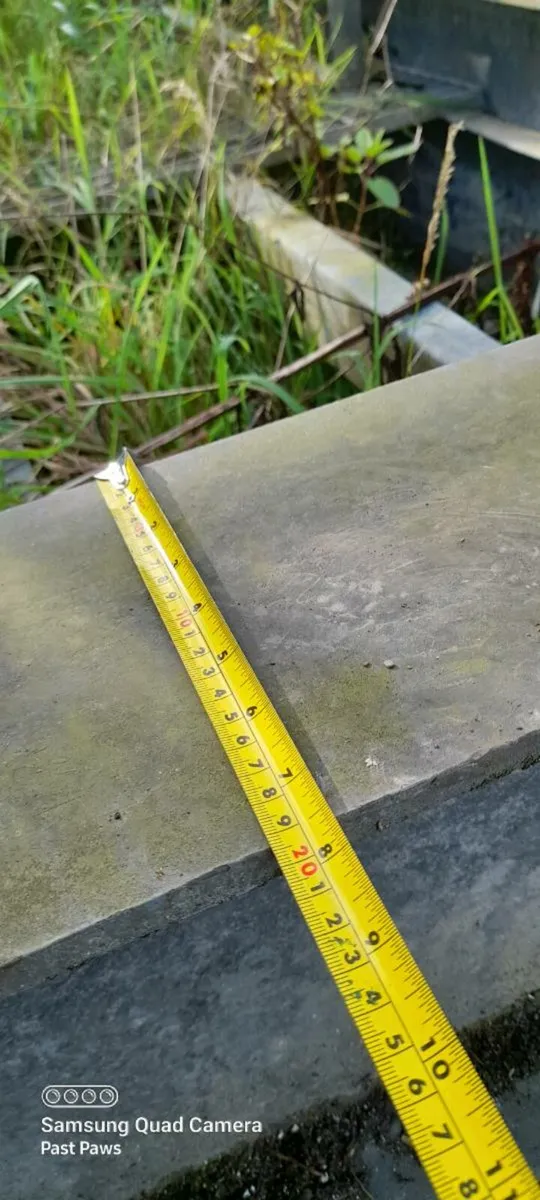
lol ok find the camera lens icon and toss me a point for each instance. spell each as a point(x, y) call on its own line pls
point(79, 1095)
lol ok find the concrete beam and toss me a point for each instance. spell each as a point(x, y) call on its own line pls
point(400, 525)
point(344, 283)
point(495, 45)
point(145, 941)
point(517, 138)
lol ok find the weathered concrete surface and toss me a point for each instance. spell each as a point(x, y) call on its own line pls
point(350, 283)
point(470, 41)
point(517, 138)
point(232, 1014)
point(402, 525)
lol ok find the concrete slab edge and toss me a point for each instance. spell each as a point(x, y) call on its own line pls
point(60, 958)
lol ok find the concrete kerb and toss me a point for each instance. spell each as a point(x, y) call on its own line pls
point(396, 526)
point(323, 259)
point(413, 540)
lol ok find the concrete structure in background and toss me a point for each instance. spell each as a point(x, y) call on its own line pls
point(493, 49)
point(345, 285)
point(146, 940)
point(493, 45)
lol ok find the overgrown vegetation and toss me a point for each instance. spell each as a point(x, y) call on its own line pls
point(291, 81)
point(147, 310)
point(121, 283)
point(88, 85)
point(134, 308)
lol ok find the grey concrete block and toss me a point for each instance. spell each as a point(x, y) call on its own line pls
point(232, 1014)
point(495, 45)
point(399, 525)
point(345, 286)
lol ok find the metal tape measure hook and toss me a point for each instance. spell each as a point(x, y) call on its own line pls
point(115, 472)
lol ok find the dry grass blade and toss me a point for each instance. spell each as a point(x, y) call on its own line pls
point(187, 427)
point(445, 175)
point(343, 342)
point(199, 420)
point(383, 21)
point(377, 37)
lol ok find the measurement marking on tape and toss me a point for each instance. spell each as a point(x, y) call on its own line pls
point(468, 1154)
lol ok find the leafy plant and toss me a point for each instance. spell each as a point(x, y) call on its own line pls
point(362, 157)
point(291, 83)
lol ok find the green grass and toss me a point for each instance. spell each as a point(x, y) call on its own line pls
point(153, 288)
point(497, 299)
point(127, 60)
point(153, 306)
point(131, 301)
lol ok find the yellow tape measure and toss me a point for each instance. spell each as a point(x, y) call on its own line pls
point(452, 1122)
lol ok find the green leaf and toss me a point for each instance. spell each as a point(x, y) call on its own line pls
point(224, 342)
point(14, 382)
point(489, 299)
point(384, 191)
point(337, 66)
point(20, 289)
point(263, 384)
point(378, 145)
point(77, 129)
point(363, 140)
point(403, 151)
point(35, 454)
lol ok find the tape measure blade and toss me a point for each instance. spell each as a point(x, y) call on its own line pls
point(452, 1122)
